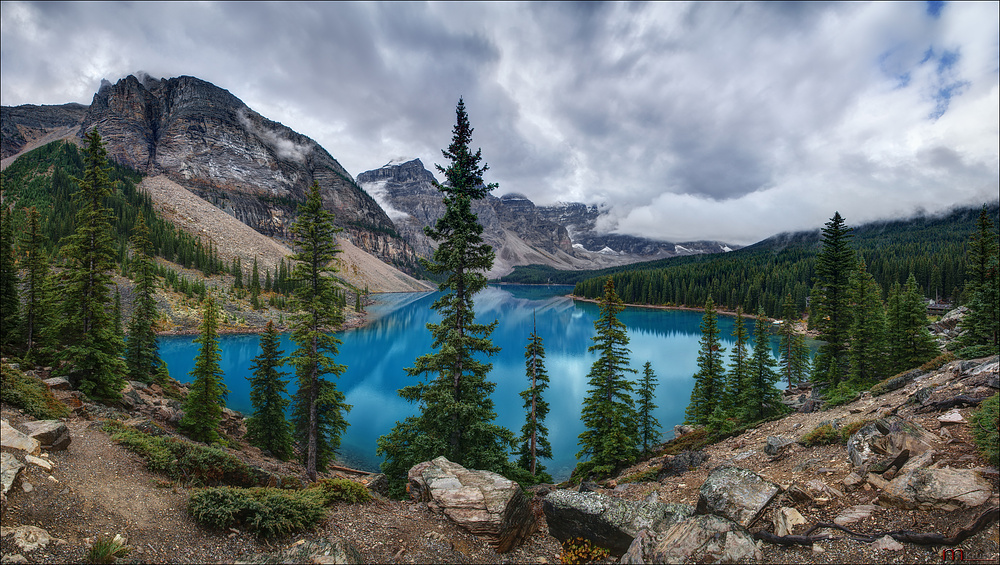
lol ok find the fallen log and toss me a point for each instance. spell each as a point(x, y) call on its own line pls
point(960, 400)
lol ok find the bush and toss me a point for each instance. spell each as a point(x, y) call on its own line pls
point(687, 442)
point(938, 362)
point(850, 429)
point(266, 512)
point(183, 460)
point(976, 351)
point(30, 394)
point(107, 550)
point(642, 476)
point(985, 426)
point(840, 395)
point(821, 435)
point(336, 490)
point(581, 550)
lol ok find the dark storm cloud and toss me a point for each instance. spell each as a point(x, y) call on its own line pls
point(704, 120)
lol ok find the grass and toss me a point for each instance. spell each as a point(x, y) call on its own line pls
point(641, 477)
point(30, 394)
point(107, 550)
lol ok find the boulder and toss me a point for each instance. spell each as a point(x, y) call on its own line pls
point(776, 444)
point(673, 465)
point(484, 503)
point(377, 483)
point(606, 521)
point(920, 487)
point(879, 443)
point(14, 439)
point(705, 539)
point(58, 383)
point(10, 468)
point(27, 538)
point(683, 430)
point(52, 434)
point(736, 494)
point(331, 549)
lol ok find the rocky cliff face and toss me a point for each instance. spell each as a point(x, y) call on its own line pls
point(209, 141)
point(20, 125)
point(521, 233)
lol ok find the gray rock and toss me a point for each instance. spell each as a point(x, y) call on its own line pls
point(683, 430)
point(57, 383)
point(879, 443)
point(51, 434)
point(28, 538)
point(14, 439)
point(855, 514)
point(681, 463)
point(776, 444)
point(705, 539)
point(10, 469)
point(736, 494)
point(331, 549)
point(484, 503)
point(920, 487)
point(608, 522)
point(377, 483)
point(786, 519)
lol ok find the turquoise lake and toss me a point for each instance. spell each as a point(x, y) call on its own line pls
point(377, 354)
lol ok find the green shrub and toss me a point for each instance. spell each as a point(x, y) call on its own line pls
point(337, 490)
point(976, 351)
point(687, 442)
point(938, 362)
point(821, 435)
point(642, 476)
point(29, 394)
point(184, 460)
point(985, 426)
point(840, 395)
point(266, 512)
point(852, 428)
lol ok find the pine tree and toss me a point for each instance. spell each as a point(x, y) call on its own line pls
point(92, 349)
point(267, 428)
point(318, 407)
point(142, 355)
point(207, 393)
point(867, 351)
point(794, 361)
point(457, 414)
point(534, 435)
point(982, 322)
point(709, 381)
point(9, 302)
point(760, 397)
point(834, 265)
point(739, 363)
point(116, 315)
point(649, 426)
point(37, 287)
point(909, 328)
point(611, 437)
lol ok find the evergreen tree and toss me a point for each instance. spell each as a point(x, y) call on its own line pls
point(534, 435)
point(760, 397)
point(142, 355)
point(709, 380)
point(92, 348)
point(457, 414)
point(834, 265)
point(267, 428)
point(207, 393)
point(116, 315)
point(611, 436)
point(794, 354)
point(237, 274)
point(982, 322)
point(9, 302)
point(739, 366)
point(913, 338)
point(318, 407)
point(37, 290)
point(649, 426)
point(867, 351)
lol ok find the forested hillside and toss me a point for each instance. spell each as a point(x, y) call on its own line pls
point(932, 248)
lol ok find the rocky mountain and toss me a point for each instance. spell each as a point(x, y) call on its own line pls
point(208, 141)
point(520, 232)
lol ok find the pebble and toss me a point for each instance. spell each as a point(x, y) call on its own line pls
point(26, 486)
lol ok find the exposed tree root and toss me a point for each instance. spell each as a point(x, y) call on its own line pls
point(919, 538)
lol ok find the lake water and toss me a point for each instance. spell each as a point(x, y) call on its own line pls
point(377, 354)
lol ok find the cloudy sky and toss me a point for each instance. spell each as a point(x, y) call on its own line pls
point(707, 120)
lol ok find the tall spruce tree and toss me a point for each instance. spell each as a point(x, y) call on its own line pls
point(207, 393)
point(37, 299)
point(457, 415)
point(794, 363)
point(267, 428)
point(867, 352)
point(709, 381)
point(910, 343)
point(9, 301)
point(142, 353)
point(982, 289)
point(318, 407)
point(92, 350)
point(611, 435)
point(649, 426)
point(534, 441)
point(739, 363)
point(760, 397)
point(834, 265)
